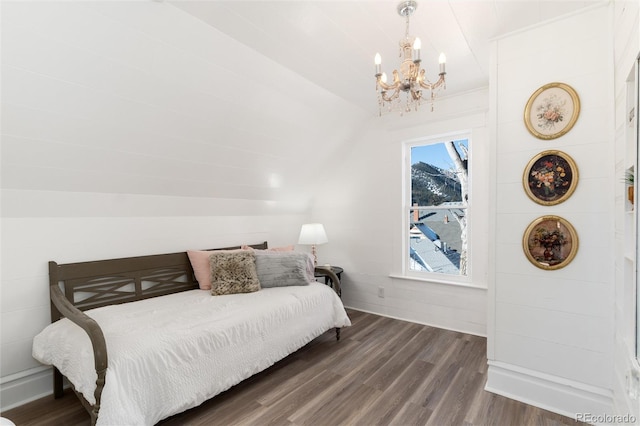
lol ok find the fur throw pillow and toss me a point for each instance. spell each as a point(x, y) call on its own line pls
point(233, 272)
point(284, 269)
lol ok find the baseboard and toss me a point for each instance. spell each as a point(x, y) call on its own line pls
point(413, 320)
point(562, 396)
point(26, 386)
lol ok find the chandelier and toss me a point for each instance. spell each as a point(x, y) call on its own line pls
point(410, 80)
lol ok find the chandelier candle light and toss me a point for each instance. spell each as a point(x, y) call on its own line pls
point(411, 79)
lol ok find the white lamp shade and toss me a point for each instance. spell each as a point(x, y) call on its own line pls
point(312, 233)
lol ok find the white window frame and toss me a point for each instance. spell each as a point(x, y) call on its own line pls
point(407, 207)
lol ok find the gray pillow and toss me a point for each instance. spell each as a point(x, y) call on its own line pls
point(282, 269)
point(233, 272)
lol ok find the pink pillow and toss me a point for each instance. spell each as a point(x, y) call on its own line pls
point(274, 249)
point(201, 267)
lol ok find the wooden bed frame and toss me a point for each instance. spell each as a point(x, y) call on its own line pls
point(77, 287)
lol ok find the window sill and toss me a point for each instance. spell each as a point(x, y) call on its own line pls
point(439, 281)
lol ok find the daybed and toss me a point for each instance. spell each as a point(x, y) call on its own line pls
point(136, 358)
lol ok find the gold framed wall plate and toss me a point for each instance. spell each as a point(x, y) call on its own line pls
point(552, 111)
point(550, 242)
point(550, 177)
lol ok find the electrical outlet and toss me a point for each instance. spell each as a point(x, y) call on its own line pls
point(381, 292)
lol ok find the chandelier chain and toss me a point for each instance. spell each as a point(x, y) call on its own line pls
point(406, 31)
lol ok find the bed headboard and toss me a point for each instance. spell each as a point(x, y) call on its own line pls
point(89, 285)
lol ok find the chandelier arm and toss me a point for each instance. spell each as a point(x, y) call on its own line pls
point(426, 85)
point(390, 98)
point(396, 81)
point(440, 82)
point(386, 86)
point(396, 78)
point(432, 86)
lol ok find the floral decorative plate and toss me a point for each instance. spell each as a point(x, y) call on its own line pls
point(550, 177)
point(552, 111)
point(550, 242)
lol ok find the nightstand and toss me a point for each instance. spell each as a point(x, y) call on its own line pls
point(327, 279)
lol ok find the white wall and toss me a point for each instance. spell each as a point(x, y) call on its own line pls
point(142, 98)
point(361, 208)
point(123, 124)
point(626, 49)
point(28, 243)
point(132, 128)
point(550, 333)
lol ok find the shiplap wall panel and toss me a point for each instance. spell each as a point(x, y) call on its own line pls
point(557, 326)
point(54, 127)
point(182, 91)
point(368, 242)
point(35, 241)
point(583, 331)
point(555, 294)
point(133, 128)
point(542, 355)
point(626, 49)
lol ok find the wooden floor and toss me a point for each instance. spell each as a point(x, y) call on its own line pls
point(382, 372)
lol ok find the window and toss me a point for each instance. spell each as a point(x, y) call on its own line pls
point(436, 209)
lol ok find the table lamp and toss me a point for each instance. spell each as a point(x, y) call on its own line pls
point(312, 234)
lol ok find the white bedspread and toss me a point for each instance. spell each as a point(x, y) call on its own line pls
point(171, 353)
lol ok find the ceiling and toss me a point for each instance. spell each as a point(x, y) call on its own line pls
point(332, 43)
